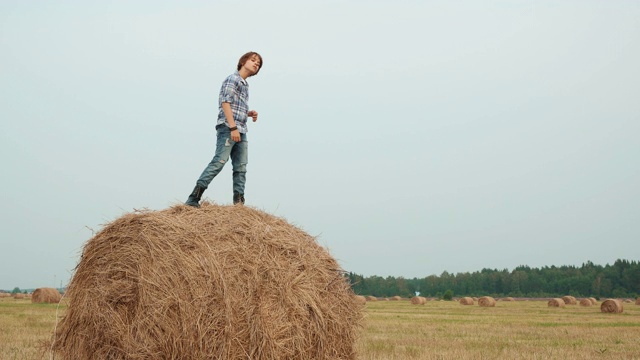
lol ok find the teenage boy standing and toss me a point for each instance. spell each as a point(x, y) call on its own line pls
point(231, 129)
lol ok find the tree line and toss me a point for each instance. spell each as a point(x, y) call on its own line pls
point(620, 280)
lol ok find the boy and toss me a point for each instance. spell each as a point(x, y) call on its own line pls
point(231, 130)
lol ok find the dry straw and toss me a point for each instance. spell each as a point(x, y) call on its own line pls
point(586, 302)
point(593, 301)
point(218, 282)
point(487, 301)
point(466, 301)
point(570, 300)
point(372, 298)
point(556, 302)
point(611, 306)
point(396, 298)
point(46, 295)
point(418, 300)
point(361, 299)
point(508, 299)
point(638, 301)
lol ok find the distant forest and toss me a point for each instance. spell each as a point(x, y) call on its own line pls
point(620, 280)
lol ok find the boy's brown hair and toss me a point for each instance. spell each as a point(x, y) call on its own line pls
point(248, 56)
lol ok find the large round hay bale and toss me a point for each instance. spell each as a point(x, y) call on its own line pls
point(218, 282)
point(508, 299)
point(638, 301)
point(569, 300)
point(396, 298)
point(19, 296)
point(555, 302)
point(487, 301)
point(611, 306)
point(593, 301)
point(586, 302)
point(466, 301)
point(361, 299)
point(418, 300)
point(46, 295)
point(372, 298)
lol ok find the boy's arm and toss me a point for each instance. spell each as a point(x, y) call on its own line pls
point(226, 108)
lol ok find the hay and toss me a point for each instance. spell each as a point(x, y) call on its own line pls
point(218, 282)
point(396, 298)
point(361, 299)
point(611, 306)
point(556, 302)
point(638, 301)
point(466, 301)
point(487, 301)
point(593, 301)
point(569, 300)
point(372, 298)
point(46, 295)
point(586, 302)
point(508, 299)
point(418, 300)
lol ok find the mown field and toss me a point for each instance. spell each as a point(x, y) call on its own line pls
point(400, 330)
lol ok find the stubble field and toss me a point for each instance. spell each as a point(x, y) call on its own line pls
point(400, 330)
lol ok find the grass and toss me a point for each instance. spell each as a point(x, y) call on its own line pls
point(399, 330)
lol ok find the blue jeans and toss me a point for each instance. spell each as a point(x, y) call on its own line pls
point(225, 147)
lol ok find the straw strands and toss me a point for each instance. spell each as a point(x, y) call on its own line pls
point(218, 282)
point(487, 301)
point(46, 295)
point(611, 306)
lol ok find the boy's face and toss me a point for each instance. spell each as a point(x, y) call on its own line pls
point(253, 64)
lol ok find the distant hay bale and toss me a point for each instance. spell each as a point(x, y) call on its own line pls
point(611, 306)
point(475, 298)
point(372, 298)
point(487, 301)
point(593, 301)
point(569, 300)
point(19, 296)
point(466, 301)
point(46, 295)
point(556, 302)
point(4, 294)
point(638, 301)
point(586, 302)
point(628, 301)
point(361, 299)
point(396, 298)
point(508, 299)
point(216, 282)
point(418, 300)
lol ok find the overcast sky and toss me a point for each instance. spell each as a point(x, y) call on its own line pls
point(410, 137)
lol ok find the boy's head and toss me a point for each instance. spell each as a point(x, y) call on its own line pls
point(250, 55)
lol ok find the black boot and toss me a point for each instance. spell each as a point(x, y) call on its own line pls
point(238, 198)
point(194, 198)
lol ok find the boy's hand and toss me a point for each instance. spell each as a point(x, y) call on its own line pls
point(253, 114)
point(235, 135)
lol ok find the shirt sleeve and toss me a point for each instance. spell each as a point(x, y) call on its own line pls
point(228, 90)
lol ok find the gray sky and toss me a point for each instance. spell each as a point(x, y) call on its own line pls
point(411, 137)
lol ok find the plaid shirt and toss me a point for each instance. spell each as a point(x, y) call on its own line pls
point(235, 91)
